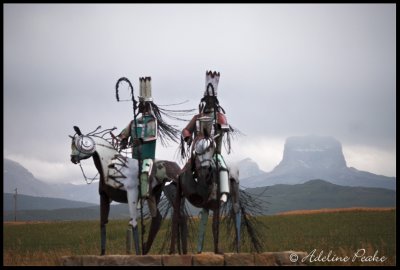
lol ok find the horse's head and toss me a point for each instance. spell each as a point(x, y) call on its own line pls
point(204, 150)
point(205, 146)
point(82, 146)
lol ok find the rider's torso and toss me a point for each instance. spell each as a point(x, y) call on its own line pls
point(146, 127)
point(205, 127)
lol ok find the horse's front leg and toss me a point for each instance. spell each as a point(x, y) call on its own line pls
point(175, 218)
point(236, 213)
point(215, 227)
point(132, 195)
point(202, 229)
point(104, 211)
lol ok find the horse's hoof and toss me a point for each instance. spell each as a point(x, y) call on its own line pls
point(103, 252)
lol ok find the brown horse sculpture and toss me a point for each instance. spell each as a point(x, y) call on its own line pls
point(196, 183)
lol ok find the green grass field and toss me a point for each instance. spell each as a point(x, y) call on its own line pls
point(342, 233)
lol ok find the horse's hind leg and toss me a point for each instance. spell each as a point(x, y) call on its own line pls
point(155, 223)
point(104, 211)
point(175, 218)
point(236, 211)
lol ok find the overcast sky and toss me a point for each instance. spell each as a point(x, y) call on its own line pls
point(286, 70)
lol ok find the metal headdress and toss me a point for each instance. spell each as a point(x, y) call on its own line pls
point(212, 80)
point(166, 132)
point(145, 89)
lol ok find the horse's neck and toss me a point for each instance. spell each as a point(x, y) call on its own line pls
point(105, 151)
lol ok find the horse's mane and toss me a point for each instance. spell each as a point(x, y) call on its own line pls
point(110, 138)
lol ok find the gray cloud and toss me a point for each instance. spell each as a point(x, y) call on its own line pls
point(285, 69)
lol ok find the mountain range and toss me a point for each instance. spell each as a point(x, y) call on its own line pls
point(314, 194)
point(304, 158)
point(317, 194)
point(26, 202)
point(312, 157)
point(17, 177)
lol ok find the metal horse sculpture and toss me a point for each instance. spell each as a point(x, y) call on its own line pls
point(118, 182)
point(197, 187)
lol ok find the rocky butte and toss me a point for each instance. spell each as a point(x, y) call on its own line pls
point(317, 157)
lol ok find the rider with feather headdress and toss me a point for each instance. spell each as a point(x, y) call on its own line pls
point(211, 121)
point(145, 131)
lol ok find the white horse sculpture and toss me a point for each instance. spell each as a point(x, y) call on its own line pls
point(119, 182)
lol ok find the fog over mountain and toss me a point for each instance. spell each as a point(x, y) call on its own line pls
point(316, 157)
point(248, 168)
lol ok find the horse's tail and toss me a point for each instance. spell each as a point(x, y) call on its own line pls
point(252, 234)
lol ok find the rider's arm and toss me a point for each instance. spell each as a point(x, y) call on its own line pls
point(124, 135)
point(222, 127)
point(222, 122)
point(189, 129)
point(126, 132)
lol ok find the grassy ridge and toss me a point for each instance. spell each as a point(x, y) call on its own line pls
point(343, 233)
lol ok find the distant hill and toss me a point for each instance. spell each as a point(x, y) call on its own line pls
point(87, 213)
point(314, 194)
point(304, 158)
point(25, 202)
point(316, 157)
point(317, 194)
point(16, 176)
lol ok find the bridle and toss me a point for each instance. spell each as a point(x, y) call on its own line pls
point(84, 144)
point(87, 179)
point(75, 139)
